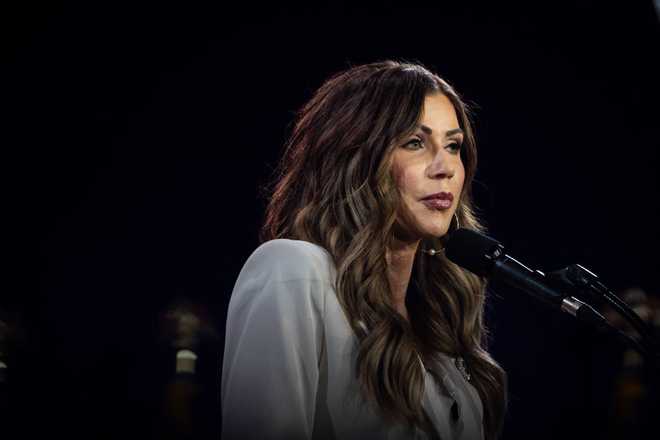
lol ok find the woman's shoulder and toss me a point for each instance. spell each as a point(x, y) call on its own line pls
point(287, 260)
point(284, 271)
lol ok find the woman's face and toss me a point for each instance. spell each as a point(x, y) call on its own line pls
point(428, 171)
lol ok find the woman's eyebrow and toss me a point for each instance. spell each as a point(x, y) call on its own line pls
point(448, 133)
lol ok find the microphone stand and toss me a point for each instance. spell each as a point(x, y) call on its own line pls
point(484, 256)
point(584, 283)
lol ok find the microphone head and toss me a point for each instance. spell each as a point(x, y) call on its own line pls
point(473, 251)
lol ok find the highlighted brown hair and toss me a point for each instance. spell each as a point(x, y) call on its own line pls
point(334, 188)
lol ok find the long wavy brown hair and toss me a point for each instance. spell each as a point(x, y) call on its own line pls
point(334, 188)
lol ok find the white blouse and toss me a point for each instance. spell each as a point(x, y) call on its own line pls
point(289, 362)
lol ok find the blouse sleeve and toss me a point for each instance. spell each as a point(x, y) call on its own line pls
point(272, 345)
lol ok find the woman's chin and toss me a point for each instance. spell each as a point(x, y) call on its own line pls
point(435, 231)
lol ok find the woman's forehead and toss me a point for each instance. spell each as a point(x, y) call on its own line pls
point(438, 115)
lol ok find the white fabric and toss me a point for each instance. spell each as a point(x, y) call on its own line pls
point(289, 360)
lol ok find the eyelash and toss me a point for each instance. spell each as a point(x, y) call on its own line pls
point(456, 146)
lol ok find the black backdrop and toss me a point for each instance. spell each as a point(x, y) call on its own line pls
point(136, 138)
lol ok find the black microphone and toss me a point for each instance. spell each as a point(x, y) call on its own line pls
point(485, 256)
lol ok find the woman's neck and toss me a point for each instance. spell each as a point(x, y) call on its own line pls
point(400, 257)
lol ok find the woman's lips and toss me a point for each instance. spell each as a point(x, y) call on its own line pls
point(441, 200)
point(437, 203)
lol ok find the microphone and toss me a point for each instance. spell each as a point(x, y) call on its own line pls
point(485, 256)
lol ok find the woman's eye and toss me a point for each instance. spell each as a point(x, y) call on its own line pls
point(414, 144)
point(454, 147)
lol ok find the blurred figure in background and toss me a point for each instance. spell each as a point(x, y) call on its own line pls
point(189, 405)
point(635, 404)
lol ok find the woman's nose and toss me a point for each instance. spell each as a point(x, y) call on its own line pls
point(441, 166)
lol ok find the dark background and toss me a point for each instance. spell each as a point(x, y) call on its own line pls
point(136, 137)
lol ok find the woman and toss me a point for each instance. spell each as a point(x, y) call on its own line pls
point(349, 322)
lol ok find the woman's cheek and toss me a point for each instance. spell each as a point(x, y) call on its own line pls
point(406, 182)
point(397, 175)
